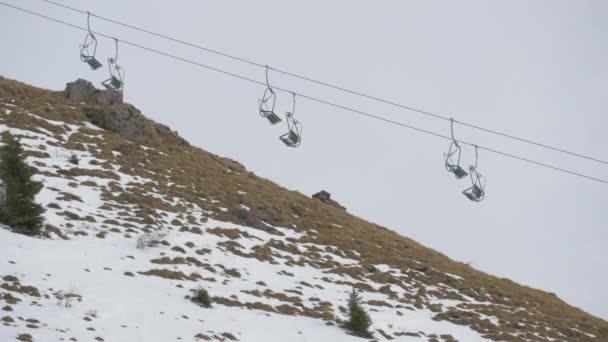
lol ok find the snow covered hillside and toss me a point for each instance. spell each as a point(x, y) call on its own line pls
point(138, 219)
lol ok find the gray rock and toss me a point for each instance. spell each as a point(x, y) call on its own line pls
point(108, 97)
point(126, 121)
point(247, 217)
point(325, 197)
point(109, 112)
point(79, 90)
point(167, 135)
point(84, 91)
point(130, 123)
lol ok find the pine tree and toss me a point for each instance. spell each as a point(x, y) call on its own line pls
point(358, 319)
point(19, 211)
point(202, 298)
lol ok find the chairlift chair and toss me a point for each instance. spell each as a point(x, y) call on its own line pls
point(116, 80)
point(117, 74)
point(267, 103)
point(89, 47)
point(477, 191)
point(452, 165)
point(293, 138)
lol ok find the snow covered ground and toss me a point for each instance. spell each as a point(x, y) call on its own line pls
point(143, 308)
point(98, 286)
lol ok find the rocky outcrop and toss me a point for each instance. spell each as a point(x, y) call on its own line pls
point(109, 112)
point(79, 90)
point(108, 97)
point(248, 218)
point(130, 123)
point(325, 197)
point(84, 91)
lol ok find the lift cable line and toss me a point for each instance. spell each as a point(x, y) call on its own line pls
point(314, 99)
point(330, 85)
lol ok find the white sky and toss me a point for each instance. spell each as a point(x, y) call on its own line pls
point(533, 69)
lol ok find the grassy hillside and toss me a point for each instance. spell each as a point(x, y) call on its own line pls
point(181, 179)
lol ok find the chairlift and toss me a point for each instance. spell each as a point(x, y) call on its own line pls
point(267, 103)
point(293, 138)
point(117, 74)
point(454, 152)
point(89, 47)
point(477, 191)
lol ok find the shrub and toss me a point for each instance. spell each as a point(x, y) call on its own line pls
point(74, 159)
point(19, 210)
point(66, 299)
point(358, 319)
point(201, 297)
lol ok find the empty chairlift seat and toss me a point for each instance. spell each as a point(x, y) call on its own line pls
point(474, 193)
point(452, 161)
point(477, 191)
point(113, 83)
point(268, 102)
point(117, 74)
point(291, 139)
point(457, 170)
point(452, 158)
point(91, 61)
point(272, 117)
point(88, 49)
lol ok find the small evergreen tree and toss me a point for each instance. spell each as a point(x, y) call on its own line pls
point(201, 297)
point(19, 211)
point(74, 159)
point(358, 319)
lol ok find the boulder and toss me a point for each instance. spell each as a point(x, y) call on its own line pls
point(84, 91)
point(123, 120)
point(325, 197)
point(130, 123)
point(109, 112)
point(248, 218)
point(108, 97)
point(79, 90)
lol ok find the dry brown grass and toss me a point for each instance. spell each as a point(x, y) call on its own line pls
point(198, 175)
point(22, 289)
point(173, 275)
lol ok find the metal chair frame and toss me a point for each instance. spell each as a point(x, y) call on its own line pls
point(90, 42)
point(293, 138)
point(267, 103)
point(477, 191)
point(450, 165)
point(117, 73)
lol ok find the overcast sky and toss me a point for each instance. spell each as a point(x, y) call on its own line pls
point(535, 69)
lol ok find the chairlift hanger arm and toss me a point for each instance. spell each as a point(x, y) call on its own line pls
point(267, 80)
point(89, 23)
point(116, 49)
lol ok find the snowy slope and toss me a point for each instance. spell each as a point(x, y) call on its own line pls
point(144, 308)
point(89, 281)
point(150, 308)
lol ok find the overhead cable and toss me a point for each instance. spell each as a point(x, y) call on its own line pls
point(330, 85)
point(311, 98)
